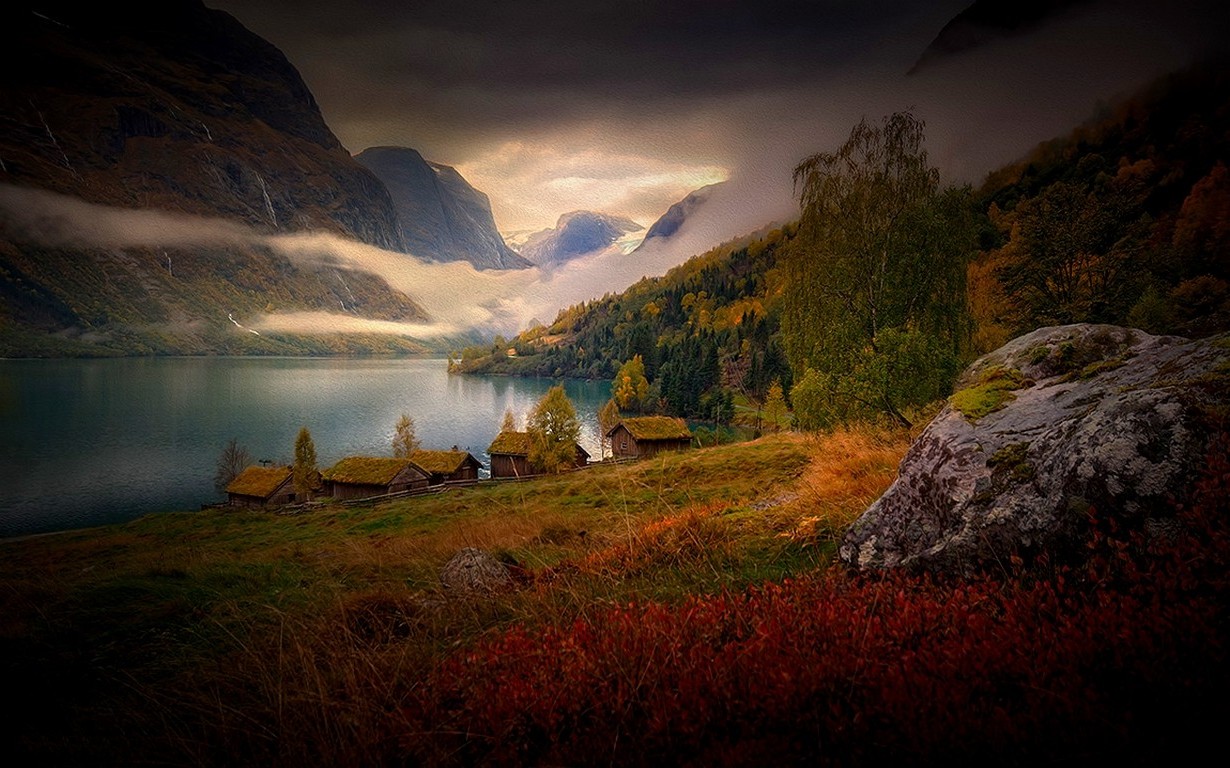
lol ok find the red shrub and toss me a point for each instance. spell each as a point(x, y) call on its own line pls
point(1124, 657)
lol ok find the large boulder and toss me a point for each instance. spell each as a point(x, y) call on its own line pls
point(1052, 425)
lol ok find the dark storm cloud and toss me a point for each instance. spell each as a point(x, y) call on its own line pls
point(472, 67)
point(654, 96)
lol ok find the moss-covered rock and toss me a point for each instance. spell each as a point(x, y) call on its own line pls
point(1051, 425)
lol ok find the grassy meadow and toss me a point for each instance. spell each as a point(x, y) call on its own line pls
point(218, 637)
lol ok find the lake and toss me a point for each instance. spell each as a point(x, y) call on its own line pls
point(89, 442)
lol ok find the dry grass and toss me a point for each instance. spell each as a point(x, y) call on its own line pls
point(851, 467)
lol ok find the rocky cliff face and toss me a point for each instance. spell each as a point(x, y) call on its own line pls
point(576, 234)
point(440, 216)
point(172, 107)
point(1053, 425)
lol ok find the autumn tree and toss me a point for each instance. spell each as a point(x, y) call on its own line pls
point(880, 255)
point(510, 422)
point(1073, 253)
point(775, 411)
point(405, 442)
point(233, 460)
point(631, 387)
point(305, 473)
point(554, 429)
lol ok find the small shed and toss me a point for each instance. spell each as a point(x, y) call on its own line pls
point(649, 435)
point(447, 466)
point(359, 477)
point(261, 487)
point(510, 455)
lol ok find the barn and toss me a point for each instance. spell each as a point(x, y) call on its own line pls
point(447, 466)
point(648, 435)
point(510, 454)
point(261, 487)
point(359, 477)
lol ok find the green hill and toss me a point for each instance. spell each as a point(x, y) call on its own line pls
point(708, 326)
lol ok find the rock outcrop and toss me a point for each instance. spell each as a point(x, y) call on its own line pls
point(473, 571)
point(1054, 424)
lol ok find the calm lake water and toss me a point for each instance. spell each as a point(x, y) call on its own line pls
point(88, 442)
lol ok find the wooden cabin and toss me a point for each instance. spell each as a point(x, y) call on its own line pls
point(261, 487)
point(447, 466)
point(649, 435)
point(510, 455)
point(360, 477)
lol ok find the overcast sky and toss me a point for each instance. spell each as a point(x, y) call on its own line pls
point(624, 107)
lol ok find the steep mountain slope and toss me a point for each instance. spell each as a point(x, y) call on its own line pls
point(670, 222)
point(988, 21)
point(1123, 221)
point(576, 234)
point(440, 216)
point(174, 108)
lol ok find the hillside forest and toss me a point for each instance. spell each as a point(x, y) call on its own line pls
point(1124, 221)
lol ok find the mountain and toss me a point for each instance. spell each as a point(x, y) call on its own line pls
point(440, 216)
point(174, 108)
point(670, 222)
point(988, 21)
point(576, 234)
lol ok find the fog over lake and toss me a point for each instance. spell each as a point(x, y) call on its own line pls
point(89, 442)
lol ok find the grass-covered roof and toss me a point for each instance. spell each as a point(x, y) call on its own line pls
point(258, 481)
point(442, 462)
point(367, 470)
point(656, 428)
point(511, 443)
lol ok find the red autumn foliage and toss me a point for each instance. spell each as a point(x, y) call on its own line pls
point(1122, 657)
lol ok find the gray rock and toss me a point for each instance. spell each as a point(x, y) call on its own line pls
point(1102, 417)
point(472, 571)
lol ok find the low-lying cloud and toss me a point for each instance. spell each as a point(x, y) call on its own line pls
point(457, 298)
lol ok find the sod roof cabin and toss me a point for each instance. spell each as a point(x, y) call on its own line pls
point(447, 466)
point(360, 477)
point(261, 487)
point(647, 435)
point(510, 455)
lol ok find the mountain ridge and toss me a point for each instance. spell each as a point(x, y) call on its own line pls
point(441, 217)
point(576, 233)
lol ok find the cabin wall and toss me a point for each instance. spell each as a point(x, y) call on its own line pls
point(503, 465)
point(624, 444)
point(354, 491)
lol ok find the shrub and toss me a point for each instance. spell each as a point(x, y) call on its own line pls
point(1123, 657)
